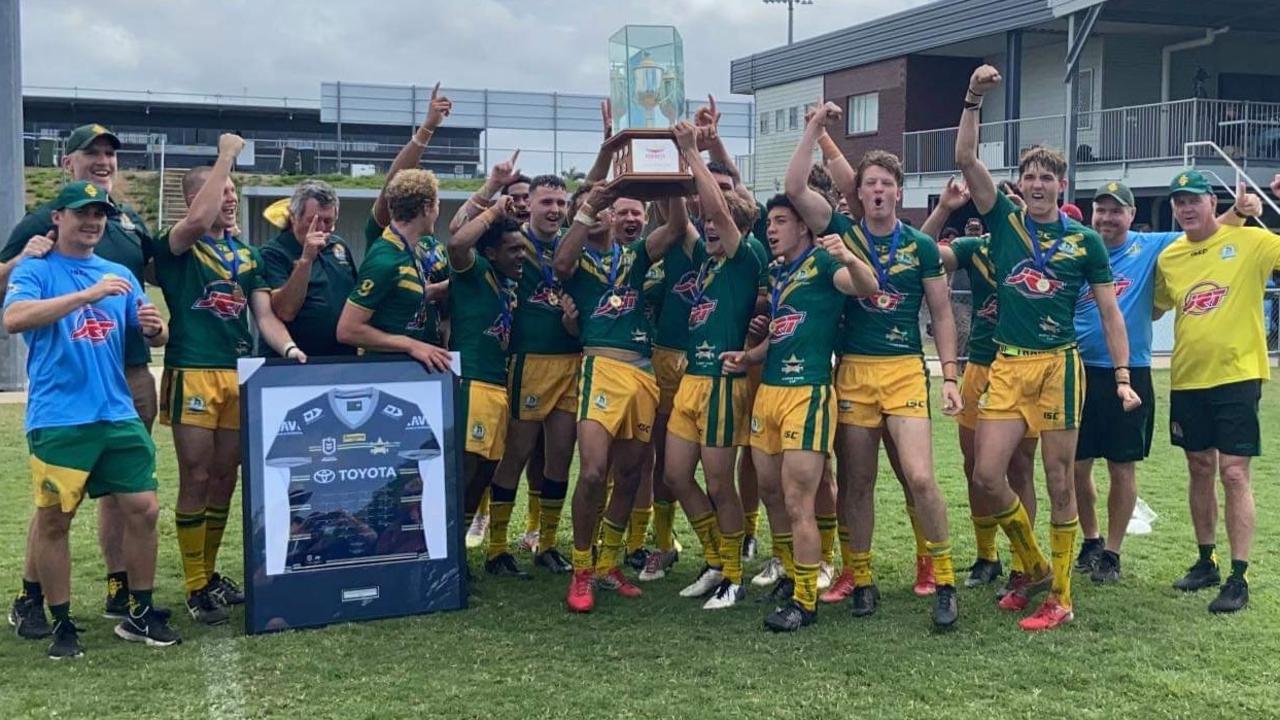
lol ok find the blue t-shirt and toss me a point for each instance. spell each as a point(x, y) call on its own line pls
point(75, 366)
point(1134, 266)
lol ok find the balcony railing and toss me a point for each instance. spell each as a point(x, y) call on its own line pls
point(1248, 131)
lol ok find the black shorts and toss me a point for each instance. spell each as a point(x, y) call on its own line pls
point(1106, 430)
point(1223, 418)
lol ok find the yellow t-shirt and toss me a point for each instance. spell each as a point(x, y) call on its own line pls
point(1215, 288)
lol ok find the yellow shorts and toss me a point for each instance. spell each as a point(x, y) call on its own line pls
point(620, 396)
point(793, 418)
point(486, 412)
point(668, 368)
point(972, 386)
point(1046, 390)
point(712, 411)
point(871, 387)
point(207, 399)
point(542, 383)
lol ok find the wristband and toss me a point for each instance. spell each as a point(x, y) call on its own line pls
point(1122, 382)
point(1239, 214)
point(972, 105)
point(1118, 368)
point(421, 143)
point(584, 218)
point(950, 362)
point(480, 201)
point(288, 349)
point(950, 380)
point(972, 92)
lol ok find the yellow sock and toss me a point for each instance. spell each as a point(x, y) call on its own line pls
point(1022, 538)
point(753, 522)
point(604, 503)
point(483, 507)
point(944, 571)
point(846, 553)
point(922, 547)
point(827, 525)
point(985, 528)
point(786, 553)
point(499, 520)
point(1015, 565)
point(610, 547)
point(1062, 541)
point(860, 565)
point(638, 528)
point(806, 592)
point(664, 516)
point(533, 514)
point(215, 523)
point(549, 524)
point(191, 543)
point(731, 556)
point(704, 526)
point(581, 559)
point(775, 549)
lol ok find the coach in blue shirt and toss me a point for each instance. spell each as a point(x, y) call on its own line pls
point(74, 309)
point(1106, 430)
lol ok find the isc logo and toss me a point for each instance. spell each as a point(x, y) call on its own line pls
point(916, 403)
point(1052, 415)
point(790, 434)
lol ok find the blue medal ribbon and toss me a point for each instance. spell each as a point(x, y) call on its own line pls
point(706, 276)
point(548, 277)
point(232, 267)
point(782, 278)
point(614, 264)
point(1040, 257)
point(882, 270)
point(413, 257)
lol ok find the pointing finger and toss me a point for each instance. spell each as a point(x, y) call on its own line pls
point(435, 91)
point(514, 156)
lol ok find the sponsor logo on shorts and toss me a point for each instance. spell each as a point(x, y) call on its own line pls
point(195, 405)
point(531, 401)
point(700, 313)
point(48, 486)
point(1204, 298)
point(785, 323)
point(478, 432)
point(601, 401)
point(93, 325)
point(1032, 282)
point(757, 426)
point(223, 298)
point(844, 405)
point(1175, 429)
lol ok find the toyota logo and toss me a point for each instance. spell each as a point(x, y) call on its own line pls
point(324, 477)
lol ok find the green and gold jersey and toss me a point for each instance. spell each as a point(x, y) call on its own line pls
point(1041, 282)
point(481, 305)
point(974, 258)
point(888, 322)
point(724, 298)
point(805, 309)
point(392, 283)
point(207, 290)
point(608, 289)
point(538, 325)
point(675, 298)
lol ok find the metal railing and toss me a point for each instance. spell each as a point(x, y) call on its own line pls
point(1245, 130)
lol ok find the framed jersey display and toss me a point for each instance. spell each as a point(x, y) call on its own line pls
point(351, 506)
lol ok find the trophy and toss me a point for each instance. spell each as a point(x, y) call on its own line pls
point(646, 89)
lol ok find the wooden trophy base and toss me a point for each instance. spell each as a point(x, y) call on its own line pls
point(647, 165)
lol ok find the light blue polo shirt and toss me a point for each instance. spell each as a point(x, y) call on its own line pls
point(1133, 264)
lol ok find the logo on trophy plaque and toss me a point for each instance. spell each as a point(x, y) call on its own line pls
point(646, 88)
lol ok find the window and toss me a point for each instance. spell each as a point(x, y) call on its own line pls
point(779, 120)
point(864, 113)
point(764, 123)
point(1084, 101)
point(793, 119)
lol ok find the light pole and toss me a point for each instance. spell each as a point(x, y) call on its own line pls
point(12, 355)
point(791, 14)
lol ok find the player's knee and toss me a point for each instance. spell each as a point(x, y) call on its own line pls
point(1201, 465)
point(52, 524)
point(1235, 478)
point(1061, 494)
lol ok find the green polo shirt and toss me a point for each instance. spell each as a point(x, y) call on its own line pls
point(333, 277)
point(125, 241)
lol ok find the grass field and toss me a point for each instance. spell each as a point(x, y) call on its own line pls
point(1136, 650)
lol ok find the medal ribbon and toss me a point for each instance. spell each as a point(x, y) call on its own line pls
point(1040, 257)
point(882, 270)
point(782, 279)
point(706, 276)
point(614, 264)
point(548, 278)
point(232, 268)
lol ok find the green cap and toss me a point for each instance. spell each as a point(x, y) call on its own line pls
point(84, 135)
point(1117, 191)
point(1190, 181)
point(81, 193)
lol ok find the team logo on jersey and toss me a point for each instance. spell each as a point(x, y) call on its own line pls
point(324, 477)
point(990, 309)
point(392, 411)
point(705, 351)
point(126, 223)
point(700, 313)
point(607, 308)
point(686, 287)
point(882, 301)
point(785, 323)
point(546, 297)
point(477, 431)
point(1204, 298)
point(93, 325)
point(312, 415)
point(601, 401)
point(340, 253)
point(792, 365)
point(1134, 250)
point(1121, 283)
point(1228, 252)
point(223, 298)
point(329, 445)
point(1032, 282)
point(379, 447)
point(500, 331)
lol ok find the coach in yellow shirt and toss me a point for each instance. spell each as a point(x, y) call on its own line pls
point(1213, 278)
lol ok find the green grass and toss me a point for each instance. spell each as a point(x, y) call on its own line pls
point(1137, 650)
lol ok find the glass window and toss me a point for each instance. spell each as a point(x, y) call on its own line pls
point(864, 113)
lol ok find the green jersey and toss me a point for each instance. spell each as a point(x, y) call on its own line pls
point(207, 289)
point(608, 289)
point(538, 324)
point(333, 276)
point(974, 258)
point(887, 323)
point(392, 283)
point(1041, 281)
point(125, 241)
point(724, 298)
point(805, 308)
point(675, 293)
point(481, 304)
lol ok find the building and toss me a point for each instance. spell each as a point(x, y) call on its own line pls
point(1153, 80)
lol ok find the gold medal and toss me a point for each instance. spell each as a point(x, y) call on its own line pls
point(773, 325)
point(1042, 285)
point(615, 302)
point(553, 299)
point(882, 300)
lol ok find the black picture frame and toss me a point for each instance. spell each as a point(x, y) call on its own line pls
point(374, 582)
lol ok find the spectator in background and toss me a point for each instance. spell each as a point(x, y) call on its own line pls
point(1073, 211)
point(947, 235)
point(973, 228)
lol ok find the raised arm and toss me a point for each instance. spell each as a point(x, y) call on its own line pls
point(600, 168)
point(502, 174)
point(569, 251)
point(855, 278)
point(288, 299)
point(811, 206)
point(677, 228)
point(714, 207)
point(953, 197)
point(438, 108)
point(463, 242)
point(982, 187)
point(205, 207)
point(1247, 205)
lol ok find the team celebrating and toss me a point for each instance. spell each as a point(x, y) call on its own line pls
point(776, 346)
